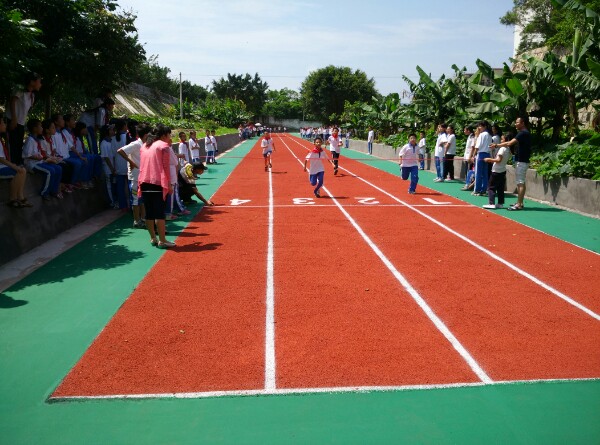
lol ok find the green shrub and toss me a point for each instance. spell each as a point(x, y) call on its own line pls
point(570, 159)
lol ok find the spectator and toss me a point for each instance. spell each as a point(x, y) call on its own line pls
point(209, 147)
point(184, 149)
point(522, 143)
point(194, 147)
point(62, 141)
point(370, 139)
point(482, 152)
point(468, 157)
point(17, 174)
point(131, 153)
point(155, 182)
point(49, 130)
point(497, 178)
point(95, 118)
point(213, 138)
point(34, 161)
point(422, 150)
point(449, 153)
point(173, 198)
point(440, 148)
point(119, 140)
point(17, 110)
point(107, 132)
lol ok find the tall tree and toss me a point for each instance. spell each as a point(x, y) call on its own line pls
point(325, 91)
point(546, 25)
point(85, 45)
point(250, 90)
point(284, 103)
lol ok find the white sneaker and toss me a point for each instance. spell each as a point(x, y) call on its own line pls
point(166, 244)
point(490, 206)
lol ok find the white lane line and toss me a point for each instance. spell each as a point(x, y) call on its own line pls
point(486, 251)
point(507, 263)
point(456, 344)
point(305, 391)
point(244, 206)
point(270, 382)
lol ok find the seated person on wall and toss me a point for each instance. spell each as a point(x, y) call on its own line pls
point(187, 183)
point(17, 174)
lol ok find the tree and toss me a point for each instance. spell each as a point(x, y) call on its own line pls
point(325, 91)
point(250, 90)
point(19, 37)
point(85, 45)
point(284, 103)
point(545, 24)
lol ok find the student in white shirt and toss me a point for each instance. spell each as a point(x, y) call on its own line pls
point(184, 150)
point(267, 149)
point(482, 151)
point(335, 146)
point(213, 138)
point(316, 172)
point(468, 157)
point(209, 147)
point(131, 153)
point(422, 150)
point(409, 158)
point(440, 145)
point(194, 147)
point(449, 153)
point(498, 177)
point(370, 139)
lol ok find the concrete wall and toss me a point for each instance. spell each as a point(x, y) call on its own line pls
point(24, 229)
point(578, 194)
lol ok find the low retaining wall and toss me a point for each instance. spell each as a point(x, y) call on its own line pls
point(24, 229)
point(582, 195)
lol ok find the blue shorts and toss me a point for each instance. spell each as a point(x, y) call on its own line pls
point(268, 153)
point(7, 172)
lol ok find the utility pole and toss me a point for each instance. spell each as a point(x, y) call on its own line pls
point(180, 98)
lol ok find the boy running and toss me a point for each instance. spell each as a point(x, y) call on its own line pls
point(409, 158)
point(335, 145)
point(317, 169)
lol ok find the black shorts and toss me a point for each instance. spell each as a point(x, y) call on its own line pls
point(154, 202)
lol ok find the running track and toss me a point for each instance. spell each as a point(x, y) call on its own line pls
point(368, 288)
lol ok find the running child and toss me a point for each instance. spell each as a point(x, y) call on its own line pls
point(317, 169)
point(409, 159)
point(335, 146)
point(267, 148)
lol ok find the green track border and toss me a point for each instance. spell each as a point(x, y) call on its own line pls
point(49, 319)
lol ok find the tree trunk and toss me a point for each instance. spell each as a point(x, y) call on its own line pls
point(573, 114)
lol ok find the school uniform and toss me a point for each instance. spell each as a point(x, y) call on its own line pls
point(194, 150)
point(335, 146)
point(449, 157)
point(132, 150)
point(481, 169)
point(439, 155)
point(498, 178)
point(409, 166)
point(210, 149)
point(316, 171)
point(24, 102)
point(52, 172)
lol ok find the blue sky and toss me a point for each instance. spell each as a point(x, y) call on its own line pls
point(283, 41)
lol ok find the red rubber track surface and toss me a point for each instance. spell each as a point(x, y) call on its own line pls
point(342, 319)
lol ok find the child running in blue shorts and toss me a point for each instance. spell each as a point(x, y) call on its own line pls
point(316, 171)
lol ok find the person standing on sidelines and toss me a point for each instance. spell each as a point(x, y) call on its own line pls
point(440, 148)
point(268, 147)
point(316, 172)
point(482, 152)
point(370, 139)
point(409, 158)
point(213, 138)
point(17, 109)
point(449, 153)
point(155, 182)
point(522, 142)
point(131, 153)
point(497, 178)
point(209, 147)
point(422, 150)
point(335, 146)
point(468, 157)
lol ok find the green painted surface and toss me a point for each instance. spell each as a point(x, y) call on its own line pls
point(49, 319)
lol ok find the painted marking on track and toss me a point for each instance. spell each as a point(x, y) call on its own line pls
point(367, 201)
point(466, 206)
point(437, 203)
point(270, 366)
point(304, 201)
point(439, 324)
point(288, 391)
point(239, 202)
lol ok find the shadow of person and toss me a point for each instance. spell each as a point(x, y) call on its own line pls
point(7, 302)
point(196, 247)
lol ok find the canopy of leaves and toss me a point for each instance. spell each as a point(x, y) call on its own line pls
point(250, 90)
point(325, 91)
point(284, 103)
point(82, 47)
point(545, 24)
